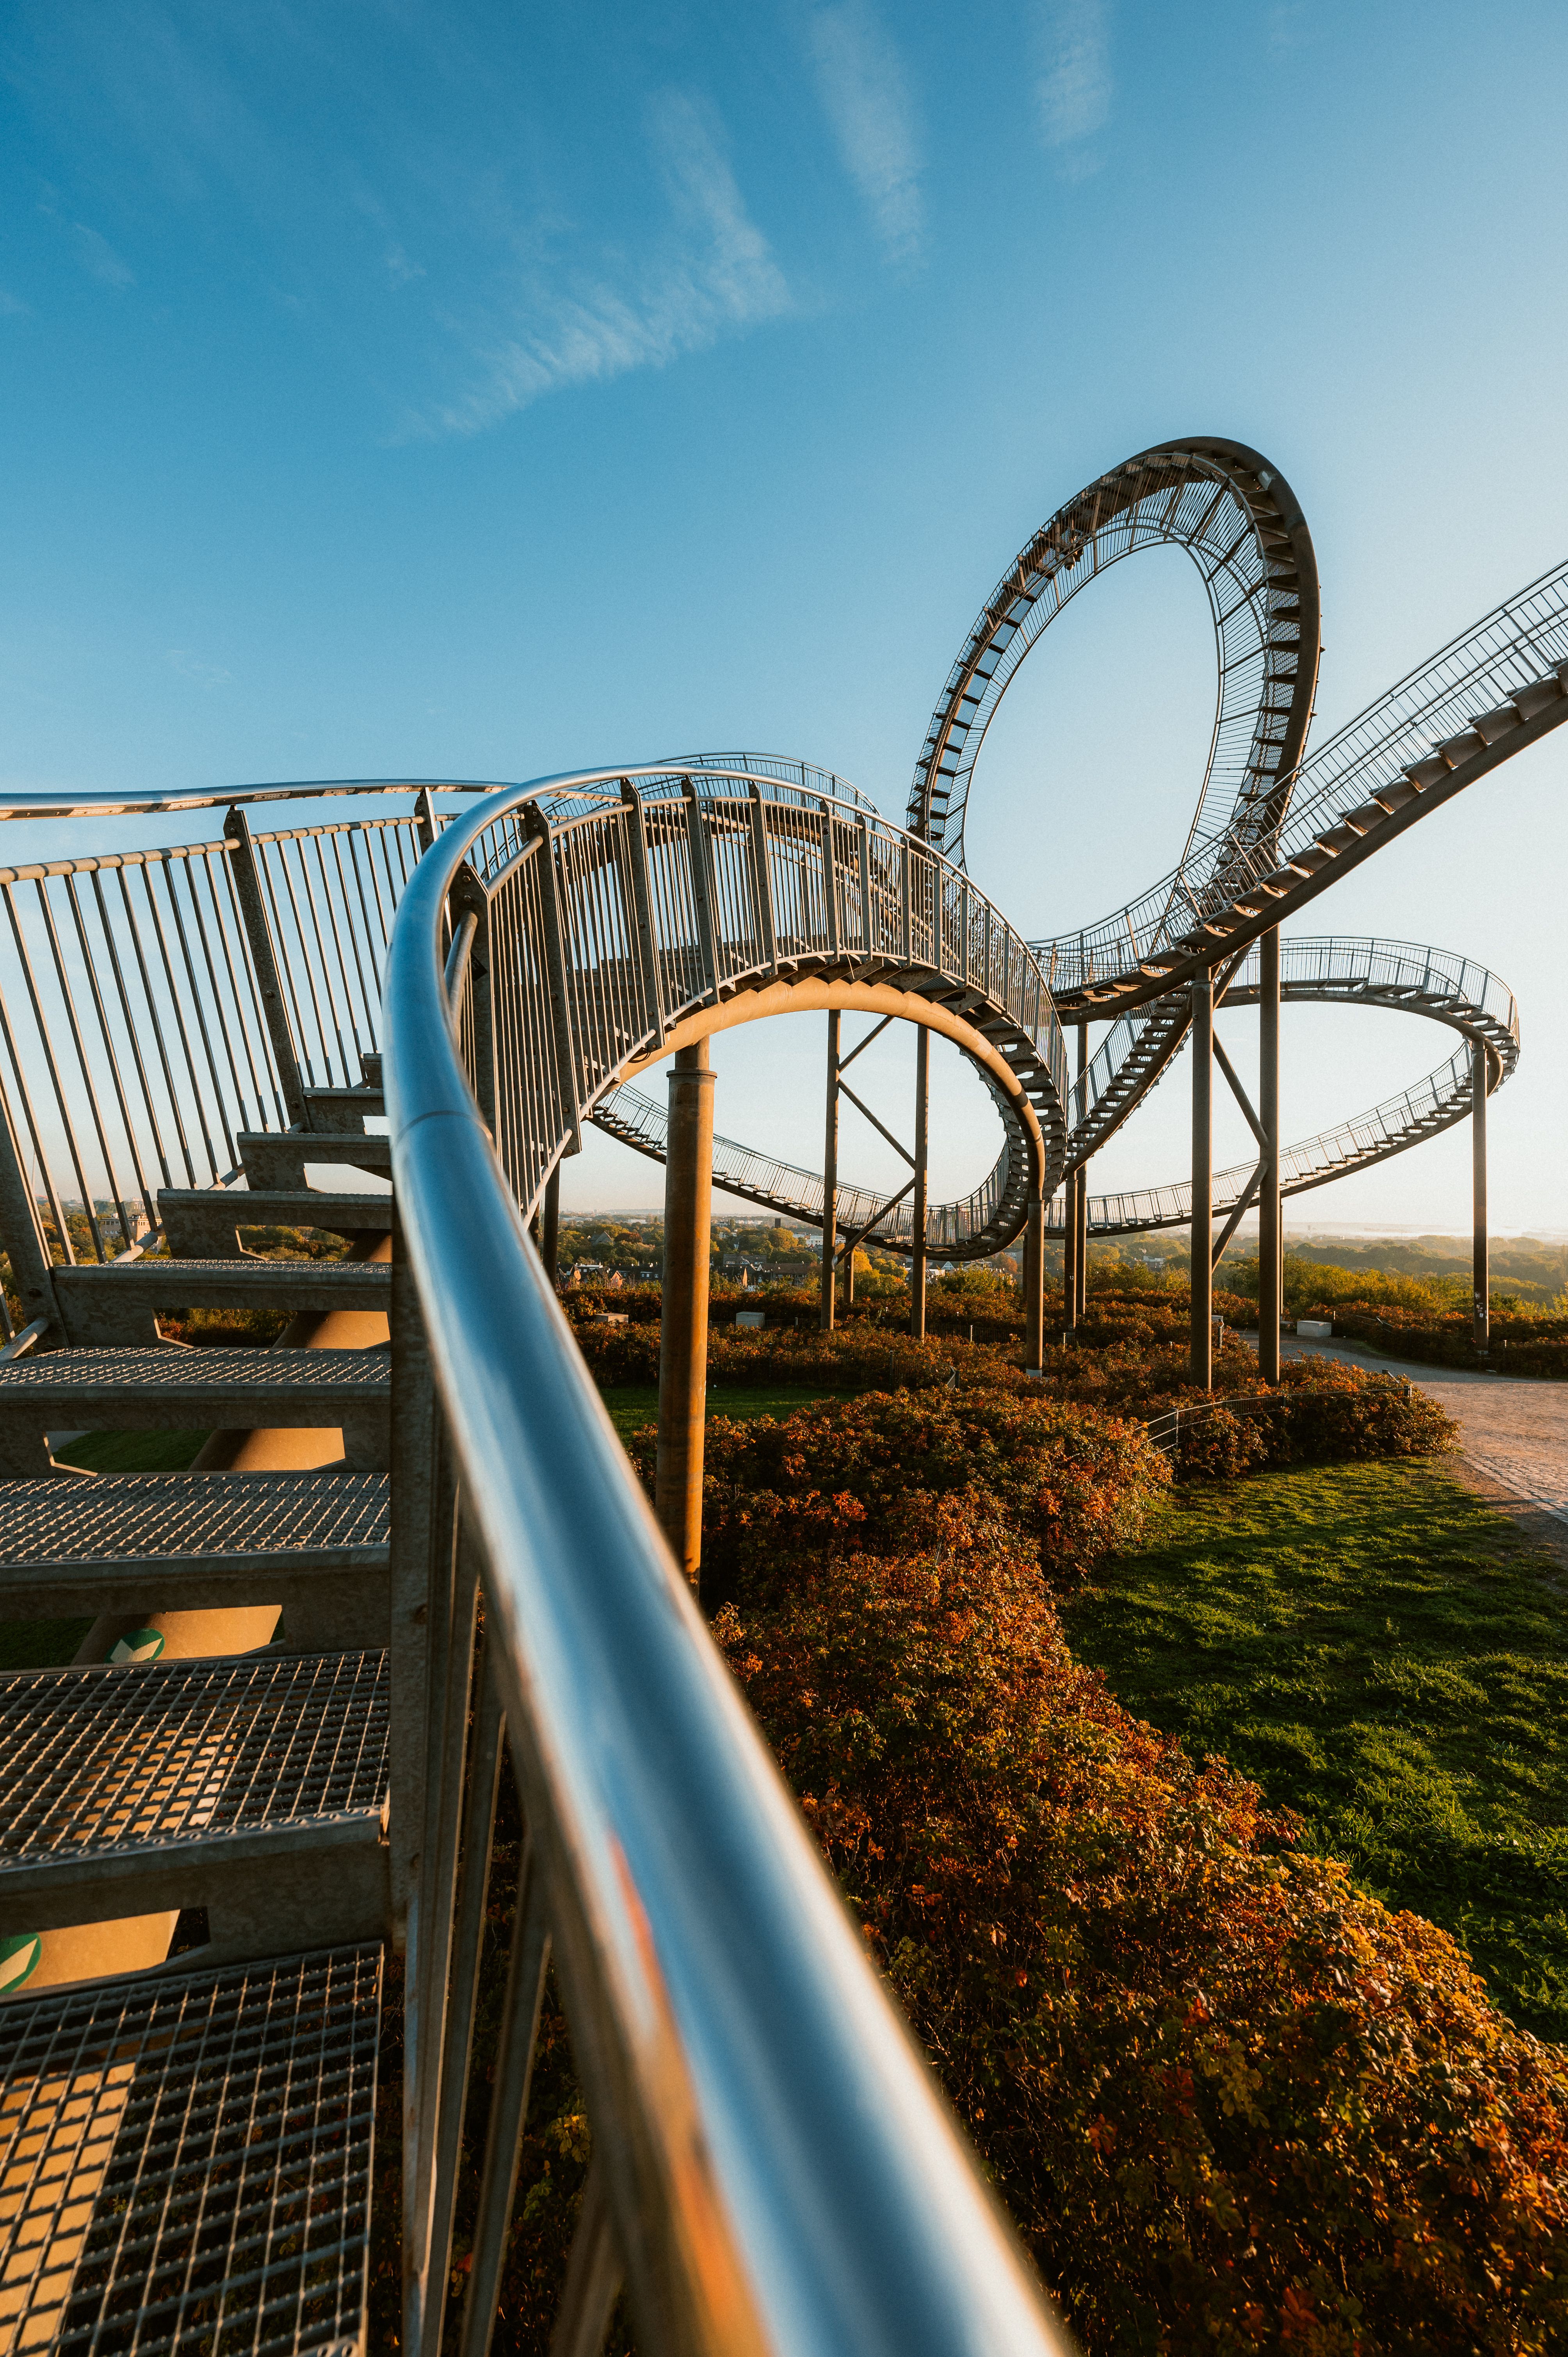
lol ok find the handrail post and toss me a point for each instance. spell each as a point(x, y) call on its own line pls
point(683, 1323)
point(1480, 1251)
point(469, 897)
point(919, 1212)
point(425, 818)
point(868, 944)
point(1202, 1319)
point(1270, 1237)
point(245, 868)
point(642, 910)
point(701, 884)
point(830, 882)
point(22, 1233)
point(1035, 1285)
point(556, 968)
point(768, 937)
point(829, 1180)
point(1081, 1196)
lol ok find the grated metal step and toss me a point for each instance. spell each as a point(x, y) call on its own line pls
point(117, 1305)
point(337, 1111)
point(250, 1784)
point(186, 2162)
point(277, 1159)
point(175, 1389)
point(315, 1543)
point(197, 1221)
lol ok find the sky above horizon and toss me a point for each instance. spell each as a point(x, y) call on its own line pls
point(485, 391)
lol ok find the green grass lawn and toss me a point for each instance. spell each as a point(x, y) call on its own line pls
point(1383, 1654)
point(634, 1405)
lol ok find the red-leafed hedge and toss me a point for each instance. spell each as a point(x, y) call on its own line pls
point(1234, 2105)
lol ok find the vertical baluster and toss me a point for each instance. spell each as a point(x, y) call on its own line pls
point(176, 1111)
point(571, 1107)
point(175, 1008)
point(53, 1062)
point(762, 882)
point(169, 872)
point(90, 966)
point(133, 1034)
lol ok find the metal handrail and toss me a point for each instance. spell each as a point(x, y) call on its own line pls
point(780, 2170)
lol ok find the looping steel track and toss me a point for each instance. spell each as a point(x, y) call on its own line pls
point(1272, 828)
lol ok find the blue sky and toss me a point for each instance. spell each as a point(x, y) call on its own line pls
point(485, 390)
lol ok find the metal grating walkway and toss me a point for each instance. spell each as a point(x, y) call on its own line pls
point(185, 2163)
point(143, 1516)
point(103, 1759)
point(193, 1375)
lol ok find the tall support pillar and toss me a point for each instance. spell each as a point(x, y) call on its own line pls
point(1069, 1251)
point(917, 1216)
point(1270, 1230)
point(830, 1179)
point(1481, 1270)
point(1035, 1285)
point(683, 1333)
point(1202, 1181)
point(1081, 1198)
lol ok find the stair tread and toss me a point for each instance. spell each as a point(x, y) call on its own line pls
point(166, 1372)
point(356, 1277)
point(240, 1200)
point(204, 1516)
point(260, 2079)
point(103, 1761)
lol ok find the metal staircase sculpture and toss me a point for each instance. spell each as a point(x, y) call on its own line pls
point(192, 1043)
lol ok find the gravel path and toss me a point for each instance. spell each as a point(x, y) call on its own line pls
point(1514, 1431)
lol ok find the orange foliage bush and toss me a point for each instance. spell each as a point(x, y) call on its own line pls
point(1234, 2105)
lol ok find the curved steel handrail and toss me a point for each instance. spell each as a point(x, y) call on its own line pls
point(784, 2173)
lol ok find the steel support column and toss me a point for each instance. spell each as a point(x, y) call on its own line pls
point(1480, 1267)
point(1035, 1284)
point(1202, 1181)
point(1081, 1198)
point(1069, 1251)
point(1271, 1233)
point(683, 1331)
point(917, 1213)
point(830, 1179)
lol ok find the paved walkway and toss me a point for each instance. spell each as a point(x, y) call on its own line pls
point(1515, 1432)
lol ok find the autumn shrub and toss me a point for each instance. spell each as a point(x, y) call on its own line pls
point(1233, 2105)
point(1519, 1344)
point(865, 1475)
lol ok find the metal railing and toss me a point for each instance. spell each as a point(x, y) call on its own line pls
point(773, 2169)
point(1520, 642)
point(156, 1005)
point(606, 923)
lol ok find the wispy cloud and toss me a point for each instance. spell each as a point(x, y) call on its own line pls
point(399, 269)
point(713, 274)
point(1074, 90)
point(865, 97)
point(189, 666)
point(12, 305)
point(99, 259)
